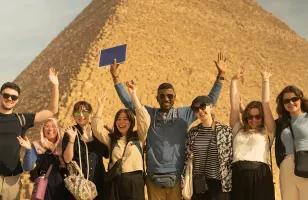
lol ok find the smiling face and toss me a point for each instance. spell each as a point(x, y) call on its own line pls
point(50, 131)
point(82, 112)
point(254, 118)
point(203, 112)
point(8, 99)
point(165, 98)
point(82, 116)
point(291, 103)
point(122, 123)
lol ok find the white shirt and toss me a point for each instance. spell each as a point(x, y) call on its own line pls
point(250, 145)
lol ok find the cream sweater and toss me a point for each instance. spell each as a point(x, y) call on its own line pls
point(132, 159)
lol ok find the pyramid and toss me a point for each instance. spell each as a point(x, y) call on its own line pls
point(168, 41)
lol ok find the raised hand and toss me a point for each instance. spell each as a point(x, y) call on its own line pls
point(131, 86)
point(114, 69)
point(53, 76)
point(221, 63)
point(102, 99)
point(24, 142)
point(266, 75)
point(109, 129)
point(240, 74)
point(71, 133)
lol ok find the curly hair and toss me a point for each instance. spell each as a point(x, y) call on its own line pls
point(245, 115)
point(280, 109)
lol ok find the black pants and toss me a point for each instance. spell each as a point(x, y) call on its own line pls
point(252, 181)
point(214, 192)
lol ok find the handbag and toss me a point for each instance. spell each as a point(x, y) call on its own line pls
point(116, 170)
point(200, 184)
point(79, 186)
point(167, 180)
point(40, 185)
point(300, 159)
point(187, 190)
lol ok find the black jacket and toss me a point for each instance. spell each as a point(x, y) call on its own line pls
point(280, 150)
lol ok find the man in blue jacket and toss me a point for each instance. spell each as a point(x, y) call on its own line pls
point(167, 134)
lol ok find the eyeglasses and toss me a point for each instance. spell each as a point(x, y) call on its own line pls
point(169, 96)
point(83, 113)
point(257, 117)
point(287, 101)
point(7, 96)
point(196, 109)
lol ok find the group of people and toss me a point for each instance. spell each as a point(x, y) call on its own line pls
point(229, 161)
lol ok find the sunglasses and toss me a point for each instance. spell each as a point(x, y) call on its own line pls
point(169, 96)
point(196, 109)
point(257, 117)
point(83, 113)
point(287, 101)
point(7, 96)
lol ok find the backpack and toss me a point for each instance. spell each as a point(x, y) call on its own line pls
point(21, 119)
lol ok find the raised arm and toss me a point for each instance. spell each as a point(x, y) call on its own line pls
point(97, 123)
point(235, 100)
point(268, 115)
point(68, 144)
point(122, 93)
point(53, 105)
point(30, 154)
point(142, 115)
point(221, 65)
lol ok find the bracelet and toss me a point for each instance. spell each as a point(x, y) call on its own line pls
point(114, 77)
point(71, 142)
point(220, 78)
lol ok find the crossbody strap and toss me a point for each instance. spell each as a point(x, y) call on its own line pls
point(111, 150)
point(48, 171)
point(292, 133)
point(79, 152)
point(138, 145)
point(208, 148)
point(270, 151)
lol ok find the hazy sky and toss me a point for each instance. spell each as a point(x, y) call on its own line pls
point(27, 26)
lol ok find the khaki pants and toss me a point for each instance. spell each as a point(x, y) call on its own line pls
point(10, 187)
point(292, 187)
point(159, 193)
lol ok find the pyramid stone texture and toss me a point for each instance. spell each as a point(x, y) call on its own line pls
point(168, 41)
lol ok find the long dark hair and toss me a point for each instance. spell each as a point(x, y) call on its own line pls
point(245, 115)
point(116, 134)
point(280, 109)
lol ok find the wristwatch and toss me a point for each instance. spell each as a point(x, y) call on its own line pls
point(220, 78)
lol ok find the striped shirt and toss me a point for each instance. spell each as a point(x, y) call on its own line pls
point(206, 153)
